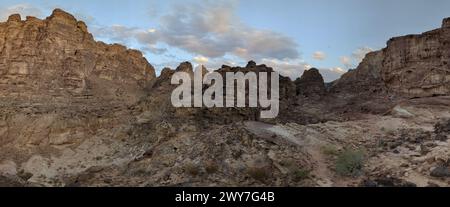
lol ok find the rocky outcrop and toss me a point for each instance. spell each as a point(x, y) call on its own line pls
point(366, 79)
point(419, 65)
point(362, 89)
point(410, 66)
point(59, 56)
point(311, 84)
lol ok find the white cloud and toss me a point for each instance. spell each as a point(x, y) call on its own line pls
point(289, 68)
point(125, 35)
point(356, 57)
point(338, 70)
point(346, 61)
point(154, 49)
point(22, 9)
point(201, 60)
point(359, 54)
point(295, 68)
point(211, 29)
point(319, 55)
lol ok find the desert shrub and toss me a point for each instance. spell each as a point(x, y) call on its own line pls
point(330, 150)
point(211, 168)
point(288, 163)
point(350, 163)
point(192, 169)
point(301, 174)
point(259, 174)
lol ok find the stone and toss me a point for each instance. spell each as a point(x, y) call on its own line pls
point(14, 18)
point(8, 168)
point(400, 112)
point(440, 172)
point(185, 67)
point(311, 84)
point(446, 23)
point(251, 64)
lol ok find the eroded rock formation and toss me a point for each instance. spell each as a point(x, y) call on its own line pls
point(58, 56)
point(311, 84)
point(418, 65)
point(410, 66)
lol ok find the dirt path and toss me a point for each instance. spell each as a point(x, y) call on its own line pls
point(292, 133)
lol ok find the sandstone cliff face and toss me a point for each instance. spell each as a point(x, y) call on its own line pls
point(410, 66)
point(59, 56)
point(418, 65)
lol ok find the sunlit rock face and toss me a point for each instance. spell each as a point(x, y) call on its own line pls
point(411, 66)
point(59, 56)
point(418, 65)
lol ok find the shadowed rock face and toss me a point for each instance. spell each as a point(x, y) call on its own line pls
point(366, 79)
point(161, 91)
point(311, 84)
point(59, 56)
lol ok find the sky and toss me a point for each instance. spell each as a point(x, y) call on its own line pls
point(288, 35)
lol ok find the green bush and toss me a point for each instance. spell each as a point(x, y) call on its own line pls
point(350, 163)
point(301, 174)
point(259, 174)
point(330, 150)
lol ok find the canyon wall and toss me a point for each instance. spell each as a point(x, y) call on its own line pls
point(59, 56)
point(411, 66)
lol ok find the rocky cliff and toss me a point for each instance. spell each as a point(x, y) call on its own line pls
point(59, 57)
point(410, 66)
point(61, 90)
point(418, 65)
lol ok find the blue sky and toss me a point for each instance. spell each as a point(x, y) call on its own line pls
point(290, 35)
